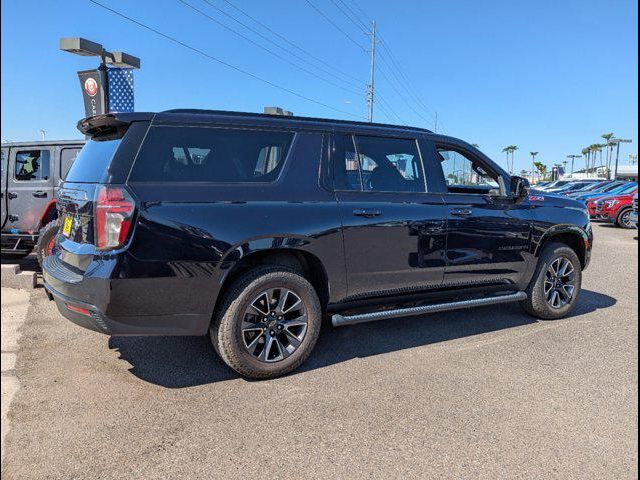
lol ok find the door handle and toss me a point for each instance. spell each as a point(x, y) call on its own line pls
point(12, 195)
point(40, 194)
point(367, 212)
point(461, 212)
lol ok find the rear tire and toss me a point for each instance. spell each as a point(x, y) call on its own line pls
point(46, 240)
point(623, 219)
point(276, 337)
point(547, 293)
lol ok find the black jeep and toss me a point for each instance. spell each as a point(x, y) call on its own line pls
point(252, 227)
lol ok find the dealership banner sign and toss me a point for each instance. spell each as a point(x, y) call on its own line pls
point(107, 90)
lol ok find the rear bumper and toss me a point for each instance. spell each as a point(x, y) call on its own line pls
point(98, 302)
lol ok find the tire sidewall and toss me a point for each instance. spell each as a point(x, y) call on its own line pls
point(45, 236)
point(620, 221)
point(231, 324)
point(538, 299)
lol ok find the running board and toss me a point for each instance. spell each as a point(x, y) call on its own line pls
point(340, 320)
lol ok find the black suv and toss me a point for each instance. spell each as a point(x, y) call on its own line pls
point(253, 227)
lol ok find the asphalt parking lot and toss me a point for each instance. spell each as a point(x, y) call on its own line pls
point(486, 393)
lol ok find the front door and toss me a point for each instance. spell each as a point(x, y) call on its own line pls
point(394, 231)
point(30, 187)
point(489, 234)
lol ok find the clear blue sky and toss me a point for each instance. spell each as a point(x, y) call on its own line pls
point(550, 76)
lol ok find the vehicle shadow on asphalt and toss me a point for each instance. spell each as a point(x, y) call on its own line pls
point(178, 362)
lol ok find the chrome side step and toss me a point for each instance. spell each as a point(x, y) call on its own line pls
point(340, 320)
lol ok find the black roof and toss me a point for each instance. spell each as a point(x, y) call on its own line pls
point(112, 122)
point(286, 118)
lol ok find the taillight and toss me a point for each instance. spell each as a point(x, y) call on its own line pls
point(114, 214)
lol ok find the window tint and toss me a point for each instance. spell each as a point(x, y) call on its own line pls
point(32, 165)
point(389, 164)
point(67, 157)
point(92, 162)
point(460, 171)
point(194, 154)
point(380, 165)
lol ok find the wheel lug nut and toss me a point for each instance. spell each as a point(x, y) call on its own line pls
point(279, 327)
point(272, 333)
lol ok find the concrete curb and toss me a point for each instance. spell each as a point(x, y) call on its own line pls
point(13, 277)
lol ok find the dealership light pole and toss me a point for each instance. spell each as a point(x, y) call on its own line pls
point(617, 142)
point(87, 48)
point(573, 160)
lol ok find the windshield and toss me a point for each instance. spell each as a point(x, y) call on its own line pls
point(591, 187)
point(92, 162)
point(628, 188)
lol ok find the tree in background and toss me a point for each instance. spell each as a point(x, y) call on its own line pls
point(542, 168)
point(507, 150)
point(533, 163)
point(607, 137)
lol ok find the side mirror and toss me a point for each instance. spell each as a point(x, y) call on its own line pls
point(520, 188)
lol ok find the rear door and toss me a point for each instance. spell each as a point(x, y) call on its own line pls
point(30, 186)
point(393, 229)
point(4, 166)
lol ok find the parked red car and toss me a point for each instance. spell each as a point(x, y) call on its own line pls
point(616, 209)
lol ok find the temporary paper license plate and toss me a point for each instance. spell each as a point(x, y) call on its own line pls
point(66, 226)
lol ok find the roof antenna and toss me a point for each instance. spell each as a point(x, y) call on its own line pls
point(43, 132)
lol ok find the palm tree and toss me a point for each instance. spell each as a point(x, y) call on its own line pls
point(609, 145)
point(513, 161)
point(585, 154)
point(475, 145)
point(533, 162)
point(542, 168)
point(507, 150)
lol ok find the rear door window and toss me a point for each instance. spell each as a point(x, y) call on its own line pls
point(32, 165)
point(379, 164)
point(219, 155)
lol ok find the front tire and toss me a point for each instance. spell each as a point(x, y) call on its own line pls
point(46, 240)
point(267, 323)
point(624, 219)
point(556, 284)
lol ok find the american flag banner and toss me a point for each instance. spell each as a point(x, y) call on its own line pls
point(120, 81)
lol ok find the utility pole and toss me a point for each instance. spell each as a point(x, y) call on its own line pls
point(43, 132)
point(371, 90)
point(435, 123)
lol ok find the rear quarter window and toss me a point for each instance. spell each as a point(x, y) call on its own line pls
point(218, 155)
point(92, 162)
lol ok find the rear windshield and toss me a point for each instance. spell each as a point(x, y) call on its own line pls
point(92, 162)
point(199, 154)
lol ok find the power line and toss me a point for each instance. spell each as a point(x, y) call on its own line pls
point(262, 47)
point(323, 15)
point(222, 62)
point(357, 22)
point(408, 84)
point(285, 39)
point(408, 103)
point(287, 50)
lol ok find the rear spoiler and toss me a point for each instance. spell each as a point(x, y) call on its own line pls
point(111, 124)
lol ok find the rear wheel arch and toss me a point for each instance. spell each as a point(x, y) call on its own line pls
point(49, 214)
point(301, 261)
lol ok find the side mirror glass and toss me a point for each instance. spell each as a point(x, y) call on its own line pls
point(520, 188)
